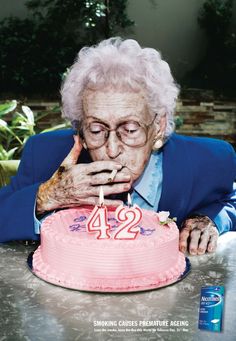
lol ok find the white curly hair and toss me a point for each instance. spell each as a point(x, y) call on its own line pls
point(125, 65)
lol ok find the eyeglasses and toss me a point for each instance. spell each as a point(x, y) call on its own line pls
point(131, 133)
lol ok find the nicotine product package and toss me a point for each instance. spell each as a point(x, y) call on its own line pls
point(211, 308)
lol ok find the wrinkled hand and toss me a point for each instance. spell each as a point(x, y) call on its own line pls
point(198, 235)
point(79, 184)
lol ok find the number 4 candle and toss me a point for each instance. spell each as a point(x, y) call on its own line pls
point(97, 221)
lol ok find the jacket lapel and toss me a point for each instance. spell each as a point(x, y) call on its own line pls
point(177, 179)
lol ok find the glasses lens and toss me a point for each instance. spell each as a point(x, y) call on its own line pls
point(130, 133)
point(96, 135)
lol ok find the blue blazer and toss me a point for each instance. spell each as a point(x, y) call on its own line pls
point(198, 176)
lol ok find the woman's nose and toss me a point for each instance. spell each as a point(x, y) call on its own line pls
point(113, 145)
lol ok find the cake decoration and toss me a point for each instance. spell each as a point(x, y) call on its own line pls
point(164, 218)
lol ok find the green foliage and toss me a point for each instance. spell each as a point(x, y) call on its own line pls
point(217, 70)
point(179, 121)
point(214, 18)
point(36, 51)
point(18, 127)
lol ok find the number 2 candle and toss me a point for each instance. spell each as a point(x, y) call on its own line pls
point(129, 217)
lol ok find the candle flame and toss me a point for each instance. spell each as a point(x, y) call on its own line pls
point(101, 197)
point(129, 200)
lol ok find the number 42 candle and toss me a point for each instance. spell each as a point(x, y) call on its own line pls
point(128, 216)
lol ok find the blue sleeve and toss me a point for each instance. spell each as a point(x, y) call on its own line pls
point(17, 201)
point(216, 185)
point(222, 212)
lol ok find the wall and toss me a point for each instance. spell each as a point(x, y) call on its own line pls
point(171, 27)
point(212, 119)
point(12, 7)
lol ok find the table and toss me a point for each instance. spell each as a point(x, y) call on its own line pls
point(32, 309)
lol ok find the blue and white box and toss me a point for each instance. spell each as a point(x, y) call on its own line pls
point(211, 308)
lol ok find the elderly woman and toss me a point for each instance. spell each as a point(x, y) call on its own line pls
point(121, 100)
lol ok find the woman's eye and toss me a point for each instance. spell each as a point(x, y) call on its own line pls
point(96, 129)
point(131, 127)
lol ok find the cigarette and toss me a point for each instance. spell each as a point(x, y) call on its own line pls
point(112, 175)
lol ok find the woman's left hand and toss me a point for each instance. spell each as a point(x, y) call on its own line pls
point(198, 235)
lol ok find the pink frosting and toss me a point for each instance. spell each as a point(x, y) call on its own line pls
point(71, 257)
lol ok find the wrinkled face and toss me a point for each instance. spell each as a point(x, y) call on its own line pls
point(104, 110)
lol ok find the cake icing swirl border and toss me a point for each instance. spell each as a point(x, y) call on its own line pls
point(134, 288)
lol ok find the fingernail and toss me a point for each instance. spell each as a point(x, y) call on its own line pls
point(201, 251)
point(118, 166)
point(127, 177)
point(183, 248)
point(193, 252)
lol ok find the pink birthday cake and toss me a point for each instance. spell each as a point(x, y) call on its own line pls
point(71, 257)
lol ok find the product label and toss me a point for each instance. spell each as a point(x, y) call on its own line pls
point(211, 308)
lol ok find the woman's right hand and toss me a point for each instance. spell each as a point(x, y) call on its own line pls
point(79, 184)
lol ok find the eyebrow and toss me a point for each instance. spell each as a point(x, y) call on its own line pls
point(98, 120)
point(122, 119)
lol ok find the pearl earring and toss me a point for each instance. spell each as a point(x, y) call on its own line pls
point(85, 145)
point(157, 144)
